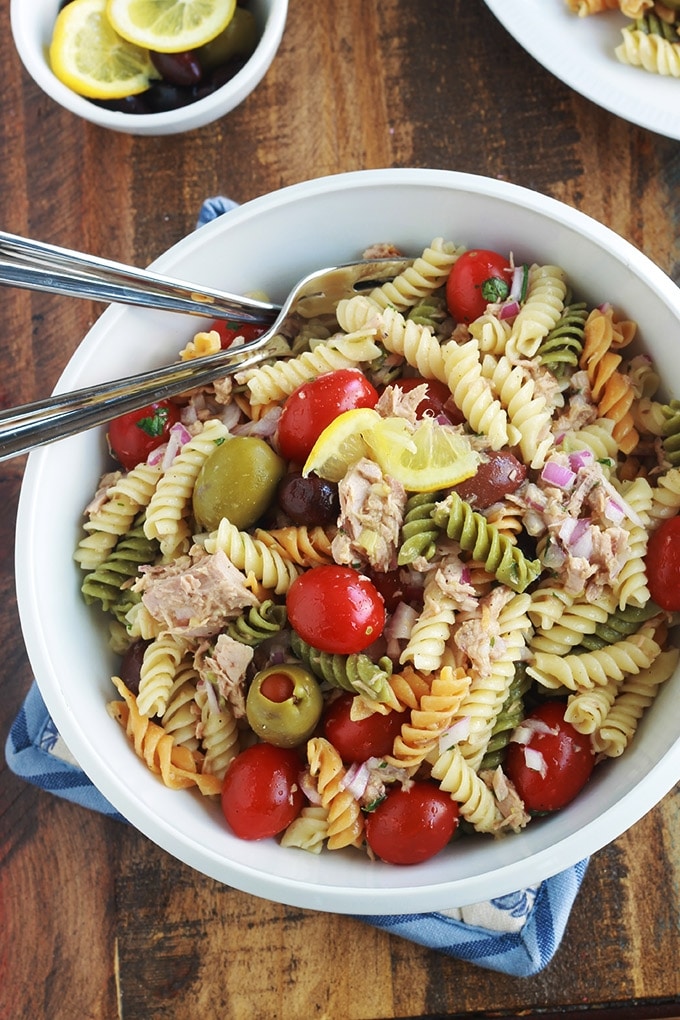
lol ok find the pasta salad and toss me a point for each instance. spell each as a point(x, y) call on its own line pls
point(651, 39)
point(412, 577)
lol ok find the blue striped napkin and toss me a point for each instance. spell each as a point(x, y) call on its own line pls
point(516, 934)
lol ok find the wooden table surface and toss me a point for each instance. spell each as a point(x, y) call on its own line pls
point(96, 921)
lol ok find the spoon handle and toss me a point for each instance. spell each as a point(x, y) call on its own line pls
point(35, 265)
point(44, 421)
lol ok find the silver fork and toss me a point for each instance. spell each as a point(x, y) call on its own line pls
point(28, 426)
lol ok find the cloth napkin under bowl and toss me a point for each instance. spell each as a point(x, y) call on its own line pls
point(516, 934)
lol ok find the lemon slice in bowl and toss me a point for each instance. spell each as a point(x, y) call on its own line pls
point(88, 56)
point(423, 459)
point(341, 444)
point(170, 26)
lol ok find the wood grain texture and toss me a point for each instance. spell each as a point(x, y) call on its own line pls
point(96, 921)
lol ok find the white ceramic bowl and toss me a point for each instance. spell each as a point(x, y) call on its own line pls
point(269, 243)
point(32, 24)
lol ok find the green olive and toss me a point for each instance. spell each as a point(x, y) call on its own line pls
point(284, 704)
point(238, 480)
point(238, 39)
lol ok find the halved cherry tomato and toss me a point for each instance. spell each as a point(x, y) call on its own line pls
point(555, 763)
point(410, 826)
point(479, 277)
point(133, 436)
point(229, 330)
point(315, 404)
point(437, 401)
point(335, 609)
point(663, 565)
point(357, 740)
point(260, 793)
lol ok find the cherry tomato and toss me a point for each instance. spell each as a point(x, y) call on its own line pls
point(133, 436)
point(336, 609)
point(478, 278)
point(410, 826)
point(315, 404)
point(663, 565)
point(437, 401)
point(260, 792)
point(562, 766)
point(360, 739)
point(228, 331)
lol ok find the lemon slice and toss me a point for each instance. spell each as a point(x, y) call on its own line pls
point(170, 26)
point(428, 458)
point(90, 58)
point(341, 444)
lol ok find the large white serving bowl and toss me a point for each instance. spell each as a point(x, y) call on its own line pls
point(32, 25)
point(268, 244)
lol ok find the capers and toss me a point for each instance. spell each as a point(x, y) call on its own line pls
point(284, 704)
point(238, 481)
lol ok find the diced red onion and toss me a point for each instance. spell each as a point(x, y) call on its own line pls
point(509, 309)
point(535, 761)
point(579, 459)
point(557, 474)
point(613, 511)
point(356, 779)
point(553, 556)
point(517, 283)
point(577, 537)
point(309, 788)
point(528, 728)
point(157, 455)
point(179, 435)
point(265, 428)
point(620, 501)
point(401, 621)
point(454, 734)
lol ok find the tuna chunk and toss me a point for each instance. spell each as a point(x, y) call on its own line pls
point(371, 513)
point(225, 665)
point(195, 595)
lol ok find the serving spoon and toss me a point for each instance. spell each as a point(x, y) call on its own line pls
point(37, 266)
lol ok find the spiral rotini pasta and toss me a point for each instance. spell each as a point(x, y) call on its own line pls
point(309, 830)
point(477, 803)
point(429, 719)
point(612, 390)
point(356, 672)
point(345, 821)
point(170, 502)
point(253, 556)
point(498, 554)
point(157, 674)
point(419, 533)
point(177, 766)
point(307, 547)
point(428, 272)
point(218, 732)
point(474, 394)
point(527, 411)
point(275, 382)
point(540, 313)
point(582, 672)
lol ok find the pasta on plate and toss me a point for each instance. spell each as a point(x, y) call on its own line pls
point(505, 602)
point(651, 39)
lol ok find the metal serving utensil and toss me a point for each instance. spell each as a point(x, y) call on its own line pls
point(28, 426)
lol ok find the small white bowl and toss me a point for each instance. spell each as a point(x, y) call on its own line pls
point(268, 244)
point(32, 24)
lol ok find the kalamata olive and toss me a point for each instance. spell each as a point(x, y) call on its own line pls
point(161, 97)
point(238, 480)
point(310, 500)
point(284, 704)
point(496, 477)
point(131, 665)
point(238, 39)
point(178, 68)
point(129, 104)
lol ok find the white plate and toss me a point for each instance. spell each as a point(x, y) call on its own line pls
point(580, 52)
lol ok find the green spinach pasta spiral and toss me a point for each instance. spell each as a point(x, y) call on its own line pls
point(419, 532)
point(258, 623)
point(487, 545)
point(618, 625)
point(356, 672)
point(103, 584)
point(561, 348)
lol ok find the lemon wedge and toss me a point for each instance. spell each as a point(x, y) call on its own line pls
point(341, 444)
point(170, 26)
point(428, 458)
point(88, 56)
